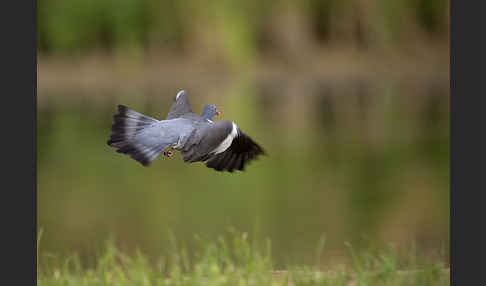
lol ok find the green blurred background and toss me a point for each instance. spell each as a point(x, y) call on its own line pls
point(349, 98)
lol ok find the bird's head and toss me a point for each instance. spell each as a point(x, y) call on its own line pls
point(210, 111)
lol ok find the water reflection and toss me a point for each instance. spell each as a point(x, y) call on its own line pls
point(346, 159)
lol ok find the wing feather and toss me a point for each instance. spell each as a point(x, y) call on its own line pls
point(222, 146)
point(180, 106)
point(241, 151)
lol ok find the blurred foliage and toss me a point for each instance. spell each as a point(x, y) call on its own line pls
point(239, 29)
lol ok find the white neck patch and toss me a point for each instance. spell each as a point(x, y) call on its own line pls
point(227, 141)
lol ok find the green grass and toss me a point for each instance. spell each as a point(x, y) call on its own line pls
point(234, 260)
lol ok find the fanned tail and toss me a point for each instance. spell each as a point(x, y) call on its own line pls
point(127, 124)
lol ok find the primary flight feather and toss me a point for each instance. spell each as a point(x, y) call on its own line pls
point(221, 145)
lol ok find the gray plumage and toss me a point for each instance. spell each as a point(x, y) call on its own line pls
point(221, 144)
point(209, 111)
point(181, 108)
point(206, 137)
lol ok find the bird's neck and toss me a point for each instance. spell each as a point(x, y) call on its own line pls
point(207, 116)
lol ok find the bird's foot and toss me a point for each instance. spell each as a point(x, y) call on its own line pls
point(168, 153)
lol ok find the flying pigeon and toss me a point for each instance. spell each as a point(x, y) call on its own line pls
point(221, 145)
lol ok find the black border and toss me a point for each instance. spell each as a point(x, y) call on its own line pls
point(18, 210)
point(467, 143)
point(34, 148)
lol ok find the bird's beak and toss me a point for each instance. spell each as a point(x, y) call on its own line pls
point(218, 113)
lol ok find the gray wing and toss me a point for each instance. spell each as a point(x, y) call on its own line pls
point(143, 138)
point(205, 139)
point(222, 145)
point(180, 106)
point(159, 137)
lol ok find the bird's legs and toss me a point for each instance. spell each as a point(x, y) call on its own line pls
point(168, 153)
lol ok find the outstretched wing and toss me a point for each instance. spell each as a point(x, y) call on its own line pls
point(241, 151)
point(222, 145)
point(180, 106)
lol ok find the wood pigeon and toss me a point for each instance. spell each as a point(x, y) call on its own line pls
point(221, 145)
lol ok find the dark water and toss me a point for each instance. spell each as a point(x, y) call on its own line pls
point(361, 162)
